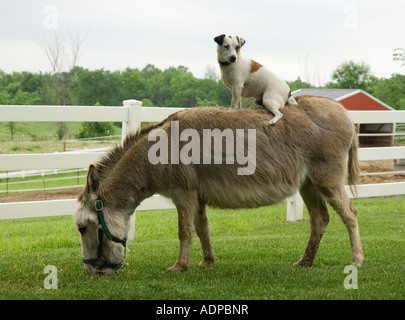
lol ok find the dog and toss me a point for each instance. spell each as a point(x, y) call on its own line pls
point(248, 78)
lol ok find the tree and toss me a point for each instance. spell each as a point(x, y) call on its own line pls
point(96, 129)
point(5, 99)
point(134, 85)
point(351, 75)
point(391, 91)
point(20, 98)
point(147, 103)
point(298, 84)
point(399, 55)
point(211, 73)
point(97, 86)
point(62, 55)
point(181, 88)
point(309, 69)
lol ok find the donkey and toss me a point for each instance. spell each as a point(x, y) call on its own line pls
point(307, 151)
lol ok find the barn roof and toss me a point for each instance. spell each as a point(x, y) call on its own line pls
point(336, 94)
point(341, 94)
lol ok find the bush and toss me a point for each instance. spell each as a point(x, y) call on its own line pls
point(96, 129)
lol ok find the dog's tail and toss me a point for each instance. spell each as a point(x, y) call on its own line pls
point(291, 100)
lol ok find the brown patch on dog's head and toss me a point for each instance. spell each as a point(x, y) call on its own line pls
point(254, 66)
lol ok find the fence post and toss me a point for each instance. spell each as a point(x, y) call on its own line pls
point(295, 208)
point(134, 117)
point(133, 124)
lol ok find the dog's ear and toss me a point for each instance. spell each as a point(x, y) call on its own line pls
point(220, 39)
point(241, 41)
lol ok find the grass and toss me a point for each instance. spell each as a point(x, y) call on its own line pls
point(254, 251)
point(74, 178)
point(35, 131)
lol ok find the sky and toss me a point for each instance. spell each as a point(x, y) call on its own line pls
point(306, 39)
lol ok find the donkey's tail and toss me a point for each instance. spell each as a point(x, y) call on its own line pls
point(353, 165)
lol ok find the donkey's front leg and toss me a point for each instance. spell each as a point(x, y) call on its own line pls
point(186, 211)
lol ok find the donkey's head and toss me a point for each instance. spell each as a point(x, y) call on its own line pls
point(103, 223)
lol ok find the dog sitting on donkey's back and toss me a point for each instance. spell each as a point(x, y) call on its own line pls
point(247, 78)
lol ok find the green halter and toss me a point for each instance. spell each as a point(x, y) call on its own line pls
point(100, 261)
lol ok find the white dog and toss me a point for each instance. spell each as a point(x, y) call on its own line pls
point(247, 78)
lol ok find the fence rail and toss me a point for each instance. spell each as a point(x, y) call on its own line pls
point(131, 114)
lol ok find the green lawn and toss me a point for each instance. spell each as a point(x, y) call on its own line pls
point(254, 251)
point(35, 131)
point(49, 180)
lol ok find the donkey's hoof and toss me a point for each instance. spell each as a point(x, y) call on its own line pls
point(358, 263)
point(303, 263)
point(206, 263)
point(177, 268)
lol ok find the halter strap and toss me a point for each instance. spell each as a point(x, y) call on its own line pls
point(99, 209)
point(102, 228)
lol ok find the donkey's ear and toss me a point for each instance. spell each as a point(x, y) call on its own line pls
point(92, 180)
point(219, 39)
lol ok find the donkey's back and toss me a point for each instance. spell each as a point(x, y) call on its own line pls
point(311, 142)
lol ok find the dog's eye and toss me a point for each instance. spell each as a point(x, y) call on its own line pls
point(237, 48)
point(226, 47)
point(82, 230)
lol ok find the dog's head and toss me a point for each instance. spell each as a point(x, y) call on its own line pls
point(228, 48)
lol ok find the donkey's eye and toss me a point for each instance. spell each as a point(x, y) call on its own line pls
point(82, 230)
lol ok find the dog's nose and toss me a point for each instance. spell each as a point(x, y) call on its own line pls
point(233, 58)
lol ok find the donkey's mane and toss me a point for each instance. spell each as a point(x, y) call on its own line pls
point(108, 161)
point(105, 165)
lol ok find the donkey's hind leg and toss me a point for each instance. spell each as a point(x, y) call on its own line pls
point(319, 218)
point(202, 228)
point(339, 200)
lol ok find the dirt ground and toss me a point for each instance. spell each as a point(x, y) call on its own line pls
point(380, 166)
point(39, 196)
point(366, 167)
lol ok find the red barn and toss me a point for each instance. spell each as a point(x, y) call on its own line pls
point(356, 99)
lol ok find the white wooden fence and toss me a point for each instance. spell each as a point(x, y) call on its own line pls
point(131, 114)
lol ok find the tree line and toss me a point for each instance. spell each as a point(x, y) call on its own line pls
point(172, 87)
